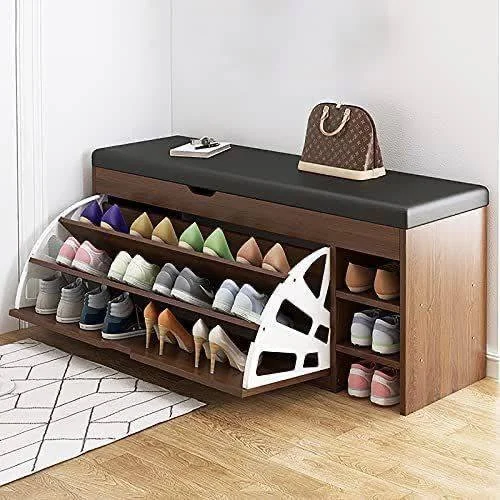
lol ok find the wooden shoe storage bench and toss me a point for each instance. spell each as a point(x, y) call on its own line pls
point(434, 228)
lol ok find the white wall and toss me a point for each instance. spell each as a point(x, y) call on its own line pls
point(427, 71)
point(8, 163)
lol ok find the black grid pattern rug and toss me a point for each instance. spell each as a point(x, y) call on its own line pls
point(64, 406)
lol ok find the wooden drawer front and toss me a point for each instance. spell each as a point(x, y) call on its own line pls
point(263, 215)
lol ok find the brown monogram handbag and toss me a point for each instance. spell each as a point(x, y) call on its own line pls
point(341, 141)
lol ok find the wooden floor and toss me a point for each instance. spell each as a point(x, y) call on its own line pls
point(300, 442)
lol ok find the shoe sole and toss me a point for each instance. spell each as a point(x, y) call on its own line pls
point(67, 320)
point(221, 306)
point(186, 297)
point(394, 400)
point(162, 290)
point(360, 342)
point(359, 289)
point(381, 349)
point(245, 314)
point(137, 283)
point(91, 327)
point(64, 261)
point(388, 297)
point(120, 336)
point(115, 277)
point(186, 246)
point(45, 311)
point(358, 393)
point(81, 266)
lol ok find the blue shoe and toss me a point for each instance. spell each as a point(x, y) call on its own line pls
point(122, 319)
point(92, 214)
point(113, 219)
point(95, 304)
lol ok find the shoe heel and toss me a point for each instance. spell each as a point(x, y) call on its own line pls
point(165, 336)
point(214, 349)
point(150, 328)
point(198, 346)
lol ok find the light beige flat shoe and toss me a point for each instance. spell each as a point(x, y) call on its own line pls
point(275, 260)
point(386, 284)
point(359, 278)
point(250, 253)
point(142, 226)
point(165, 233)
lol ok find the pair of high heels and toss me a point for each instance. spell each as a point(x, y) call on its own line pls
point(274, 260)
point(217, 346)
point(167, 328)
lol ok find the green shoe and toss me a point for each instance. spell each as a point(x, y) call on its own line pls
point(192, 238)
point(217, 246)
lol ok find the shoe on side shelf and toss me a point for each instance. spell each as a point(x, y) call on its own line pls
point(151, 321)
point(141, 273)
point(200, 337)
point(171, 331)
point(275, 260)
point(68, 251)
point(90, 259)
point(360, 379)
point(53, 248)
point(362, 327)
point(92, 213)
point(166, 279)
point(359, 278)
point(385, 387)
point(49, 294)
point(142, 226)
point(119, 266)
point(385, 337)
point(165, 233)
point(220, 341)
point(95, 303)
point(225, 296)
point(216, 245)
point(387, 281)
point(191, 238)
point(192, 289)
point(250, 253)
point(122, 320)
point(249, 304)
point(70, 306)
point(113, 220)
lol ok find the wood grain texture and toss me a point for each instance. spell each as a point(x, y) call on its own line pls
point(262, 215)
point(444, 319)
point(299, 442)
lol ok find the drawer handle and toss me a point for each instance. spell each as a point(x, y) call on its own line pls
point(201, 191)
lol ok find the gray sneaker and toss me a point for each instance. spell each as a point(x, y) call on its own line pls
point(166, 279)
point(193, 289)
point(249, 304)
point(70, 306)
point(49, 294)
point(224, 298)
point(362, 327)
point(385, 339)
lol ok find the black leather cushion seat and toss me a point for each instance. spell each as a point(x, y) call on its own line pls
point(399, 199)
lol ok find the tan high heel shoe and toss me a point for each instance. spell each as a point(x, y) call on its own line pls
point(151, 322)
point(172, 331)
point(275, 260)
point(200, 337)
point(220, 341)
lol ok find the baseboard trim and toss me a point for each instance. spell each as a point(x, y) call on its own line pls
point(493, 365)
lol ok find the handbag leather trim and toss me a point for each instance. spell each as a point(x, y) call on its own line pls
point(357, 175)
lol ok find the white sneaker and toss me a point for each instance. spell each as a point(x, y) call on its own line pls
point(141, 273)
point(119, 266)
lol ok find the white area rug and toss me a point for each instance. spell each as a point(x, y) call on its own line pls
point(64, 406)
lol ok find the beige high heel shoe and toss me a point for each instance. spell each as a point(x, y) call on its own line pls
point(200, 337)
point(173, 332)
point(220, 341)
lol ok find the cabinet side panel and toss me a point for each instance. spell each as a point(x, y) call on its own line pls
point(444, 324)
